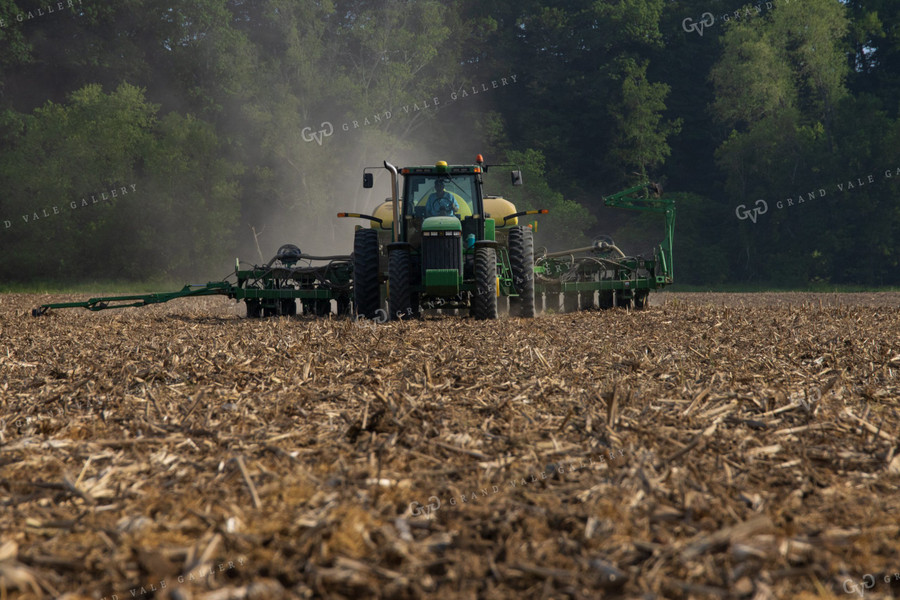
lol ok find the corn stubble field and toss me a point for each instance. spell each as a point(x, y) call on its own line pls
point(713, 446)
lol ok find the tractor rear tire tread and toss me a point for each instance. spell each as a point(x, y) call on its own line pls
point(366, 285)
point(484, 303)
point(521, 261)
point(399, 271)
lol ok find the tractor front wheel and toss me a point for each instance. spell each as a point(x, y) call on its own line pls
point(484, 304)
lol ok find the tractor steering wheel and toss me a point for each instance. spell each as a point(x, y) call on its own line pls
point(440, 207)
point(444, 207)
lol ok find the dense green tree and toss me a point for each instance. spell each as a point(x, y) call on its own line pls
point(584, 85)
point(13, 47)
point(875, 56)
point(780, 73)
point(779, 80)
point(100, 185)
point(640, 143)
point(250, 122)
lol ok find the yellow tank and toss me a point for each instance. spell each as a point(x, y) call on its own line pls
point(385, 212)
point(496, 208)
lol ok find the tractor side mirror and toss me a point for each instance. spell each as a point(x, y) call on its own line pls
point(516, 177)
point(368, 180)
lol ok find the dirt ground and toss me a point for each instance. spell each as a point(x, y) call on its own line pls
point(713, 446)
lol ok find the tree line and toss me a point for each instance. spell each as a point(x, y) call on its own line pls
point(234, 126)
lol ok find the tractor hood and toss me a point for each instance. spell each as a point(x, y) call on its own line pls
point(441, 224)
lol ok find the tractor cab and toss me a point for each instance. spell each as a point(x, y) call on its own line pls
point(439, 195)
point(441, 201)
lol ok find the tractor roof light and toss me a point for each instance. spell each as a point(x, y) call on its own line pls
point(479, 159)
point(441, 166)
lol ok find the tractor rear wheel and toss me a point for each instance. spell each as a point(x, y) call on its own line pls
point(366, 288)
point(484, 303)
point(521, 261)
point(399, 299)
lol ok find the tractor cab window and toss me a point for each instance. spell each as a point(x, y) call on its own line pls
point(441, 195)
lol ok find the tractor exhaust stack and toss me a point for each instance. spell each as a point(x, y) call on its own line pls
point(395, 198)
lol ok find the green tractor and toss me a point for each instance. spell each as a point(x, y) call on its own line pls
point(439, 242)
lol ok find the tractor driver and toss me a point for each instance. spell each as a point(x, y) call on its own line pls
point(441, 203)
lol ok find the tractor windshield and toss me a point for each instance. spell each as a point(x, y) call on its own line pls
point(436, 195)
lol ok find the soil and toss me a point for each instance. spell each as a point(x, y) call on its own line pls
point(712, 446)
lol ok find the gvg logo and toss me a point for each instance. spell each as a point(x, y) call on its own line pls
point(381, 316)
point(309, 135)
point(860, 588)
point(371, 120)
point(867, 583)
point(419, 510)
point(706, 20)
point(807, 400)
point(744, 213)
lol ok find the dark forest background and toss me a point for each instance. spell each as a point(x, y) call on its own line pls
point(231, 125)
